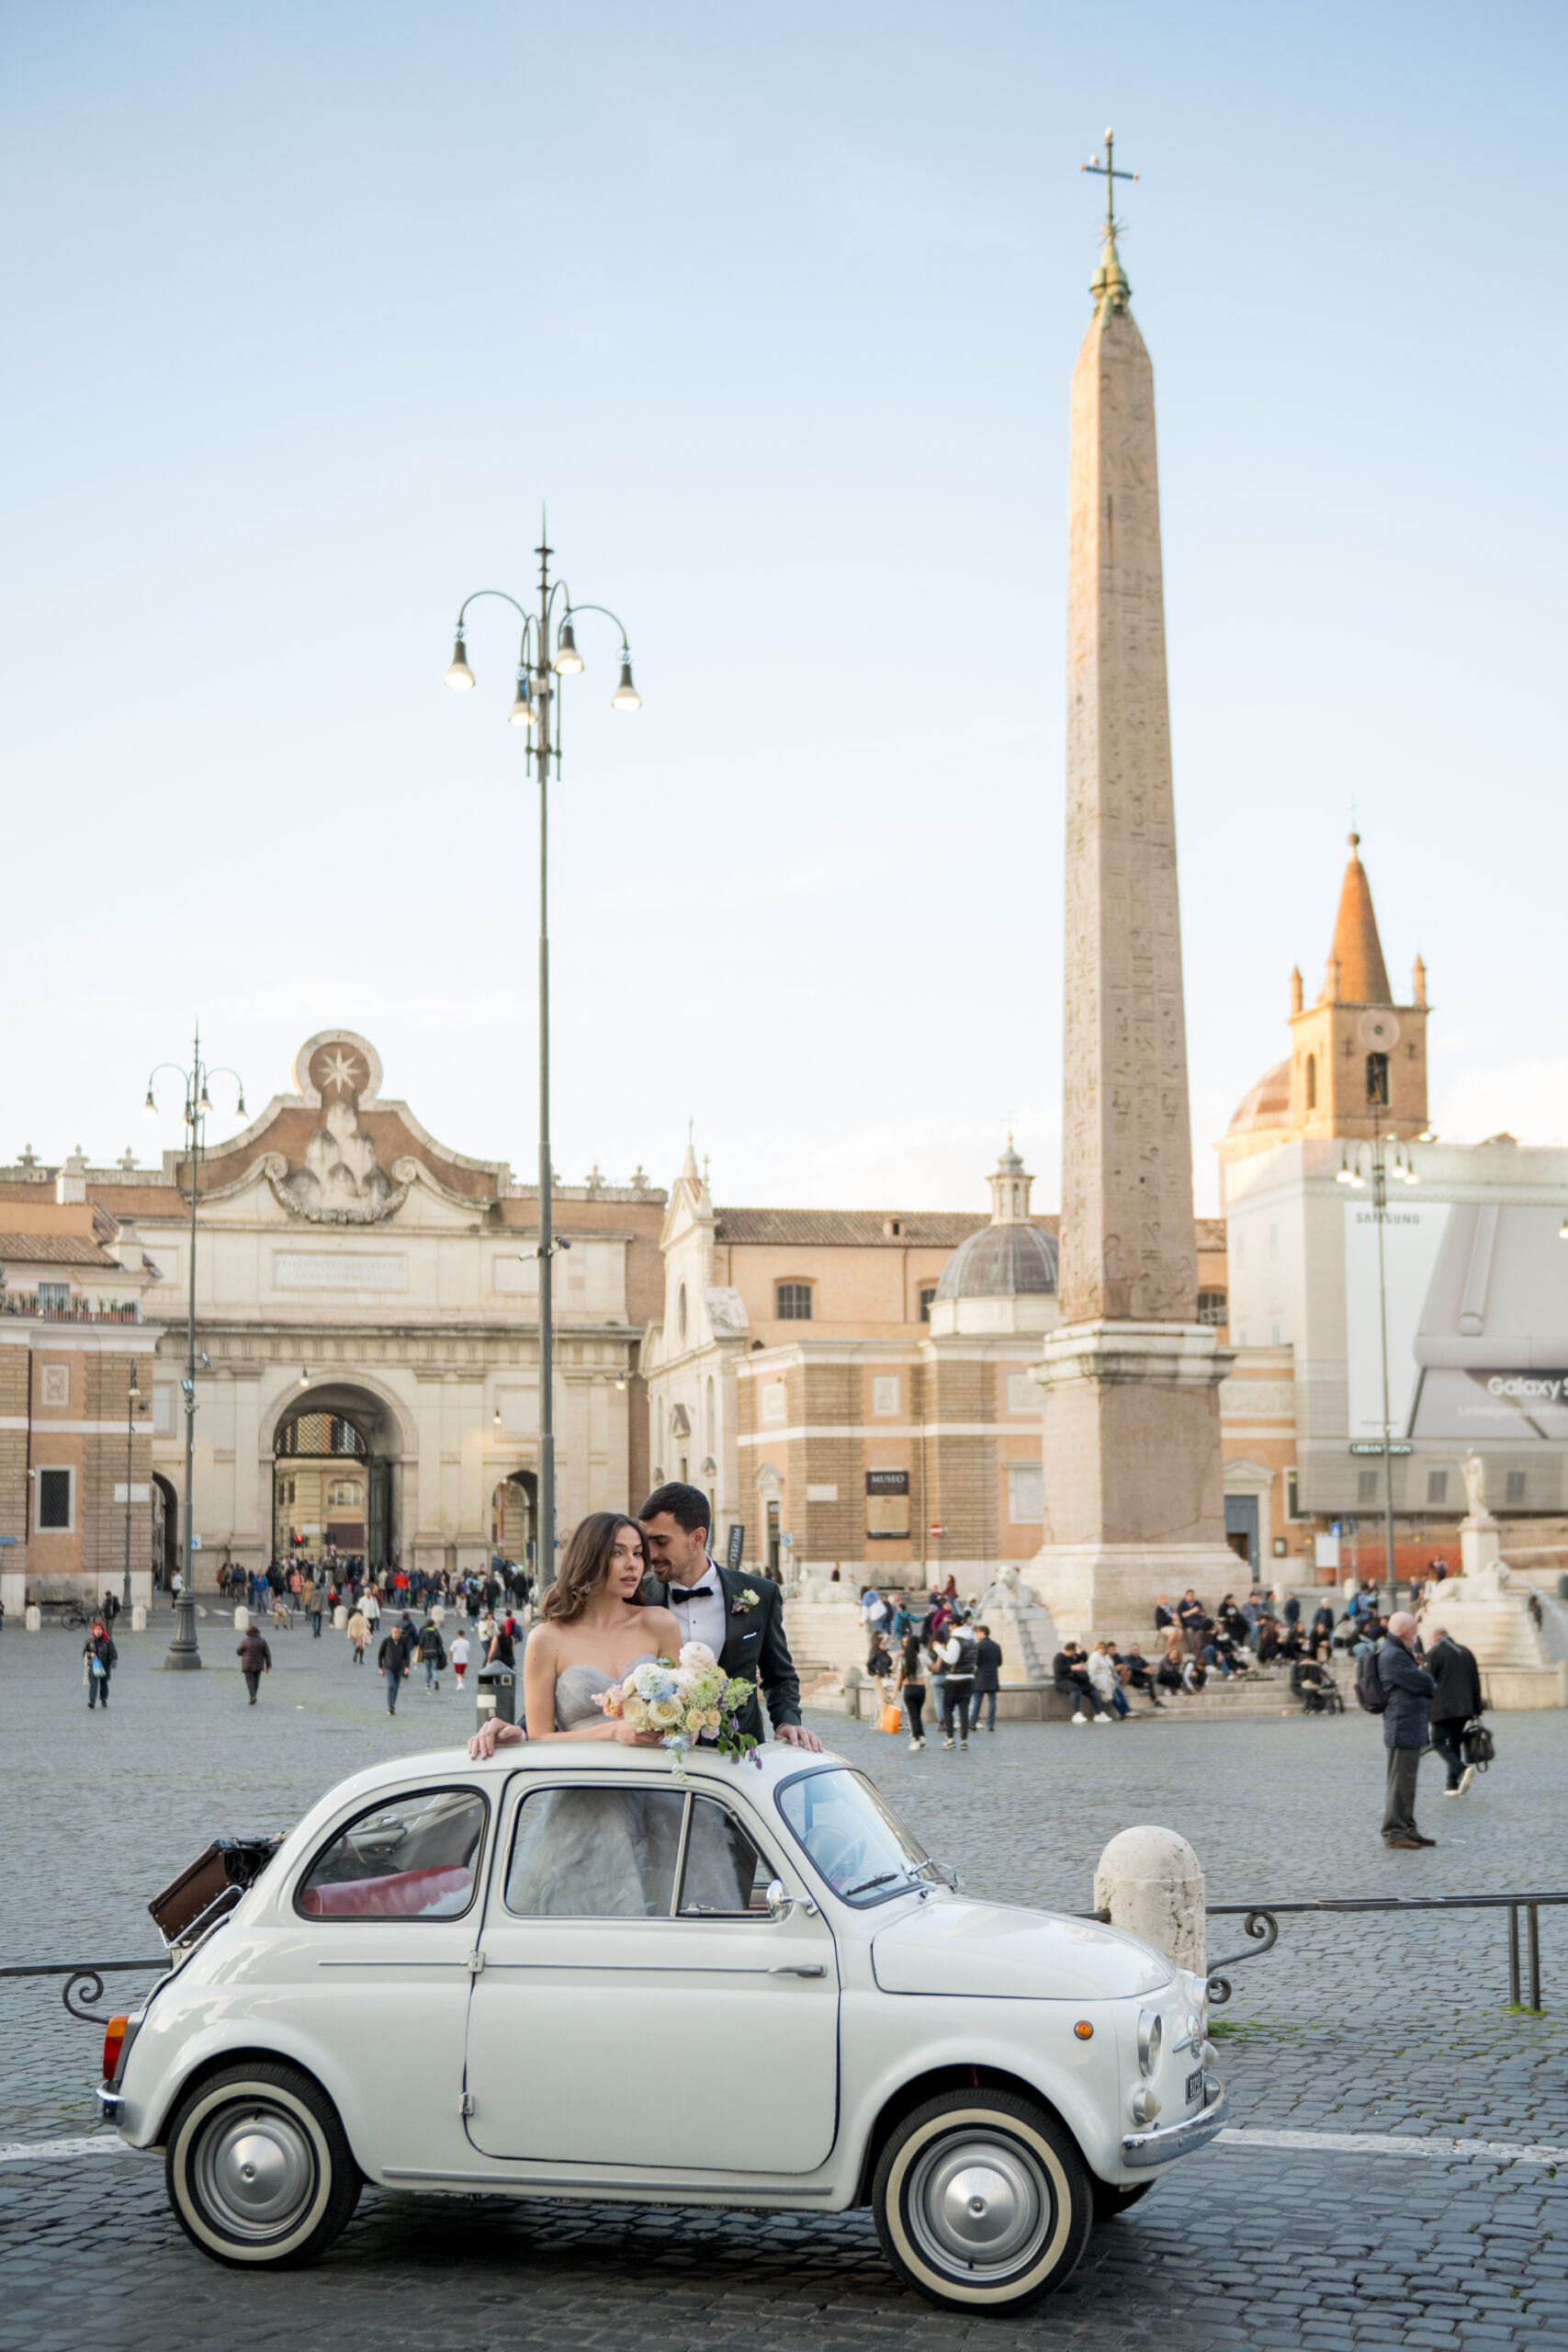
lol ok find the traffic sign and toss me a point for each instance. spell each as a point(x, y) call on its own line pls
point(939, 1531)
point(1375, 1446)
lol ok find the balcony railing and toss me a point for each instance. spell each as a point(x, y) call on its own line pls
point(73, 1310)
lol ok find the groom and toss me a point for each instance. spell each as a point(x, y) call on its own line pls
point(742, 1622)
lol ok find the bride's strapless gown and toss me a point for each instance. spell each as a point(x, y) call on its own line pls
point(611, 1853)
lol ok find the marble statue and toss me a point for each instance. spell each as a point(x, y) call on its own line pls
point(1473, 1470)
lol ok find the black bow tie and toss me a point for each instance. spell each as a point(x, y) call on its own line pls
point(691, 1592)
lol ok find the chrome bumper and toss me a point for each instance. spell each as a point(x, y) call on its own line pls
point(111, 2107)
point(1141, 2149)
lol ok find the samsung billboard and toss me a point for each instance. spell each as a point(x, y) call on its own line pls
point(1477, 1322)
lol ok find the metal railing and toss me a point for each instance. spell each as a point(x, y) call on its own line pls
point(1260, 1922)
point(87, 1973)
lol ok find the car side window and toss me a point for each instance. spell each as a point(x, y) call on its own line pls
point(723, 1876)
point(415, 1858)
point(595, 1854)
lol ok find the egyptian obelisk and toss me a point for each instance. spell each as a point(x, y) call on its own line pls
point(1134, 1501)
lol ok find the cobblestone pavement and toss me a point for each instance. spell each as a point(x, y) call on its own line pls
point(1365, 2026)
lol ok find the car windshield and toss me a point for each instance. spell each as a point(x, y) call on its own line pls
point(861, 1847)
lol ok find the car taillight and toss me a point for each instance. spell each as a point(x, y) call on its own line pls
point(114, 2042)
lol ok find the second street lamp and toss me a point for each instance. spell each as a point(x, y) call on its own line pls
point(1383, 1163)
point(132, 1407)
point(183, 1651)
point(534, 710)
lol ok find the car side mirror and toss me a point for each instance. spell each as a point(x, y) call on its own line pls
point(780, 1905)
point(948, 1878)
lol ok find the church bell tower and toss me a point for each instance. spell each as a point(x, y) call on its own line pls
point(1358, 1060)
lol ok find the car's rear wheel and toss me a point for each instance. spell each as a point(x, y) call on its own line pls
point(982, 2200)
point(258, 2168)
point(1110, 2201)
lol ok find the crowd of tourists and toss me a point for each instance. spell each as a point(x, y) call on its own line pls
point(1193, 1647)
point(314, 1589)
point(474, 1616)
point(931, 1647)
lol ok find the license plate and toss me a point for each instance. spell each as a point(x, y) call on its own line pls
point(1194, 2085)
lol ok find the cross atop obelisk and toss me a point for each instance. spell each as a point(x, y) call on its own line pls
point(1133, 1485)
point(1111, 279)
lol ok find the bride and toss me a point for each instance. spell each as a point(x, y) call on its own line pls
point(606, 1850)
point(592, 1633)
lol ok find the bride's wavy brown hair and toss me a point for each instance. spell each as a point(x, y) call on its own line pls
point(587, 1563)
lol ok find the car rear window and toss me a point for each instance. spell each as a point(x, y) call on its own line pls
point(413, 1857)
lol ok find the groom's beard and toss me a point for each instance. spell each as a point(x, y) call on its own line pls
point(693, 1575)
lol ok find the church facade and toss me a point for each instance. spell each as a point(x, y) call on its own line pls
point(366, 1317)
point(852, 1387)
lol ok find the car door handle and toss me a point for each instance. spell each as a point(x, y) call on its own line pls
point(798, 1968)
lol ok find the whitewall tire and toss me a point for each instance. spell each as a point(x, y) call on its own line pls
point(258, 2168)
point(982, 2200)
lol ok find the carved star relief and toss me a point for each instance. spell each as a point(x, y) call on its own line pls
point(341, 1071)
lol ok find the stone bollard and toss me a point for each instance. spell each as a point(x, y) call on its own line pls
point(1151, 1883)
point(241, 1619)
point(340, 1619)
point(34, 1619)
point(138, 1619)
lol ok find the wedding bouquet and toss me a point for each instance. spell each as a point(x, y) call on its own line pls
point(680, 1699)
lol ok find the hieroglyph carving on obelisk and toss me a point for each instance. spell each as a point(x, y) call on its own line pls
point(1128, 1246)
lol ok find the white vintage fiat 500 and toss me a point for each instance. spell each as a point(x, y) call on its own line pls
point(855, 2030)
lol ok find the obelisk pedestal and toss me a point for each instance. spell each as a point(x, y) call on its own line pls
point(1134, 1500)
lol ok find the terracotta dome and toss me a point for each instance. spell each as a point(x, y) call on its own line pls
point(1266, 1105)
point(1002, 1262)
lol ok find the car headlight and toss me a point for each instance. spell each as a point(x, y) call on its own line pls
point(1150, 2033)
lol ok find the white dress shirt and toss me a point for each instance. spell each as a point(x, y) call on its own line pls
point(705, 1620)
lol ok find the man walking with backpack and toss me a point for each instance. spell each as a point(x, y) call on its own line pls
point(1389, 1683)
point(958, 1652)
point(433, 1653)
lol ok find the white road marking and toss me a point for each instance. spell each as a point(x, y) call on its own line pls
point(1388, 2144)
point(54, 2152)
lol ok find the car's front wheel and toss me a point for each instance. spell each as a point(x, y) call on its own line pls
point(258, 2168)
point(982, 2200)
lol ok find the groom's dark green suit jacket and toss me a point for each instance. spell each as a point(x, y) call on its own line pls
point(755, 1644)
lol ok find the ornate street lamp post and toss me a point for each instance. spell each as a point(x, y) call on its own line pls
point(1403, 1170)
point(533, 710)
point(133, 1406)
point(183, 1652)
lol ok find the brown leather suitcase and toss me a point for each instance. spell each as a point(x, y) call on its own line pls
point(235, 1862)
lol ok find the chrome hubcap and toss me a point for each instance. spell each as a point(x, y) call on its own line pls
point(979, 2204)
point(256, 2171)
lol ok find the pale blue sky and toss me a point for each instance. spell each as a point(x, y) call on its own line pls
point(308, 307)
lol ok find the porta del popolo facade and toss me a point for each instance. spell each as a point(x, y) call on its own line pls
point(367, 1307)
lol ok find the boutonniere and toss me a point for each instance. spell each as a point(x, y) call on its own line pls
point(742, 1602)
